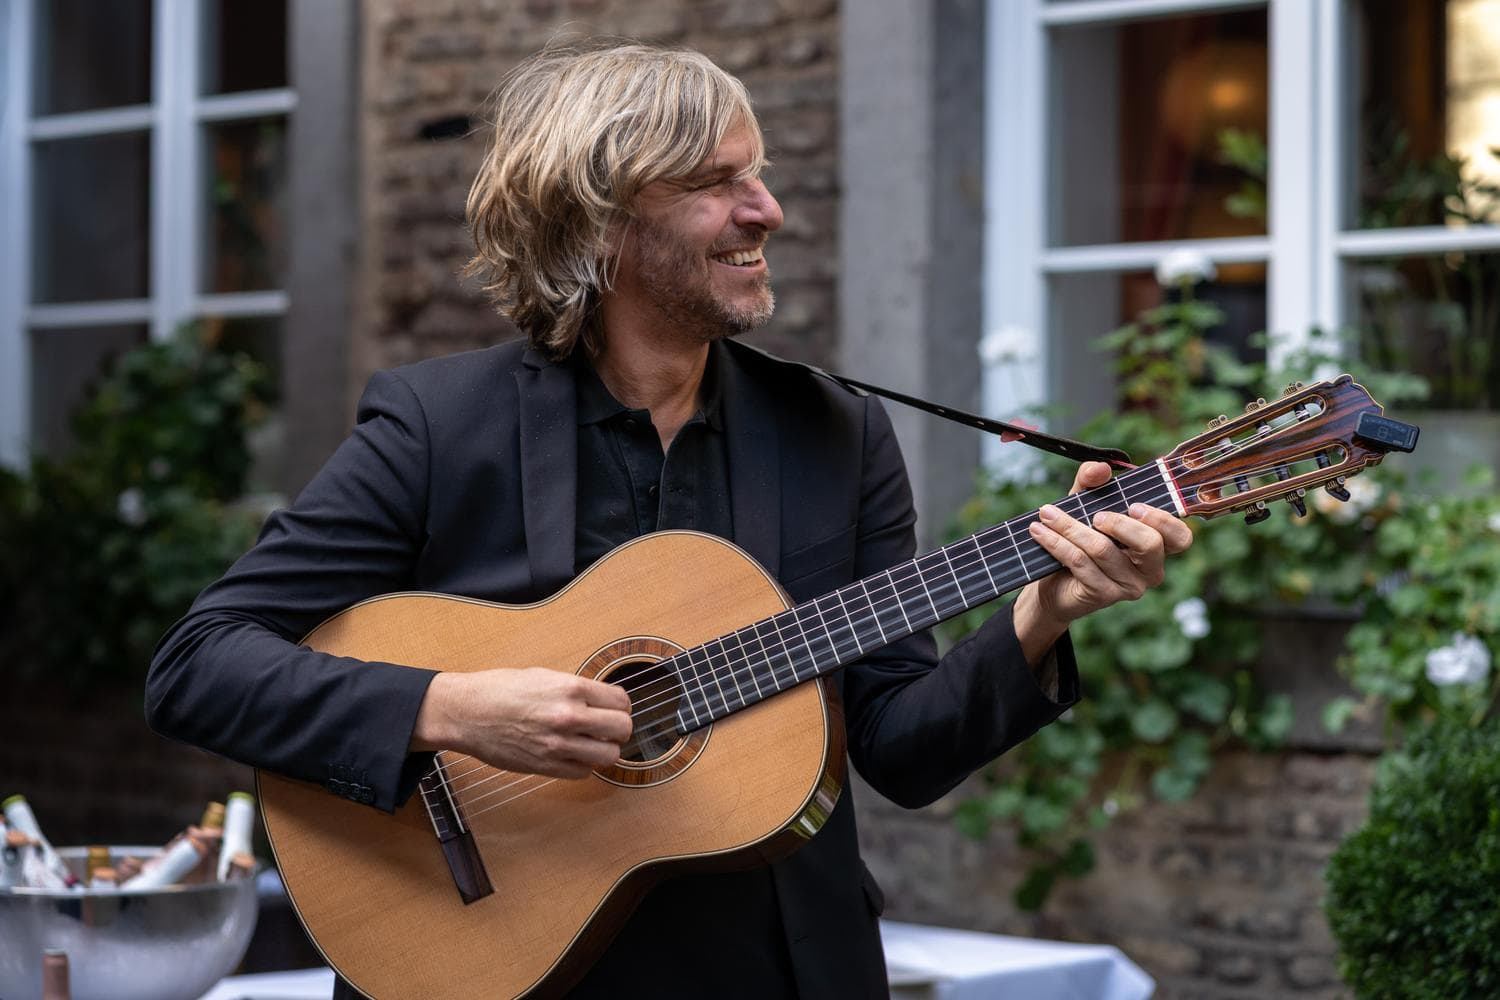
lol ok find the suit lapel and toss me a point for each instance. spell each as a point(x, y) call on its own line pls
point(548, 422)
point(753, 431)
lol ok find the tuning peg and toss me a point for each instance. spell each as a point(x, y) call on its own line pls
point(1251, 407)
point(1298, 504)
point(1292, 388)
point(1257, 514)
point(1336, 490)
point(1217, 421)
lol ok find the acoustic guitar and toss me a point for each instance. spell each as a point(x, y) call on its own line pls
point(489, 883)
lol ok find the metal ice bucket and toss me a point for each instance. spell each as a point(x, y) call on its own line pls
point(123, 944)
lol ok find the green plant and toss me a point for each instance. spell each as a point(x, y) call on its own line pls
point(1168, 678)
point(104, 546)
point(1411, 895)
point(1430, 613)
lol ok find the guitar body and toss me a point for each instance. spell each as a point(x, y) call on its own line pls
point(567, 860)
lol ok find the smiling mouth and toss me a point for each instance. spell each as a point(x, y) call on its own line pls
point(738, 258)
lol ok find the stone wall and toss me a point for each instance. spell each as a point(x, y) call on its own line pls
point(428, 67)
point(1218, 898)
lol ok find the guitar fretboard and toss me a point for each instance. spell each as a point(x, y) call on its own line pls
point(727, 674)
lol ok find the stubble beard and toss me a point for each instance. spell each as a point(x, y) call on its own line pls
point(680, 285)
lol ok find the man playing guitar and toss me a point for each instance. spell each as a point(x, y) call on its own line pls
point(621, 222)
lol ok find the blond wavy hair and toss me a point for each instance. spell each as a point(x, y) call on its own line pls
point(578, 132)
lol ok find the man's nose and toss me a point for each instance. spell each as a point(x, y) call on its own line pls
point(758, 208)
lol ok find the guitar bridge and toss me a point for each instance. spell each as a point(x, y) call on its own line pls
point(453, 835)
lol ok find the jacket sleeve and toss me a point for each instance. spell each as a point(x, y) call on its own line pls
point(231, 677)
point(919, 725)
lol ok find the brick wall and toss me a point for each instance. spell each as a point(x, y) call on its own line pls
point(1218, 898)
point(427, 65)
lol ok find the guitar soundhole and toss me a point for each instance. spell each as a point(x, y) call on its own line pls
point(654, 694)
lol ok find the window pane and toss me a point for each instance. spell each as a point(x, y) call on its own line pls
point(261, 338)
point(244, 45)
point(1438, 317)
point(65, 365)
point(1159, 129)
point(91, 55)
point(245, 248)
point(89, 234)
point(1429, 113)
point(1084, 307)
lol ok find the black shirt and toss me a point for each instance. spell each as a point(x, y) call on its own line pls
point(627, 487)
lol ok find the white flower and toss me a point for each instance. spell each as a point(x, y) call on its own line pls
point(1192, 617)
point(1009, 343)
point(130, 507)
point(1465, 661)
point(1181, 268)
point(1364, 496)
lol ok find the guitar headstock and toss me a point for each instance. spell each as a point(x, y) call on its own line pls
point(1314, 435)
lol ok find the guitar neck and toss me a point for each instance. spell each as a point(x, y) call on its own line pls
point(818, 636)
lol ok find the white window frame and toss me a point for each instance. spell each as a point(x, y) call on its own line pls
point(175, 118)
point(1307, 249)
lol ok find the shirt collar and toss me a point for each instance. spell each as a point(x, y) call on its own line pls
point(597, 404)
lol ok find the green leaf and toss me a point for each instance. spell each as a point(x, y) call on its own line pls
point(1206, 697)
point(1337, 712)
point(1035, 888)
point(1153, 721)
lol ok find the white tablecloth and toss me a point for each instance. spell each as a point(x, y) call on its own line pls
point(946, 964)
point(924, 962)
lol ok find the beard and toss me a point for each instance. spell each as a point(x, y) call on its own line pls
point(679, 281)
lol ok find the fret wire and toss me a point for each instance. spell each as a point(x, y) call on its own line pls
point(812, 656)
point(891, 582)
point(859, 646)
point(770, 664)
point(838, 657)
point(907, 592)
point(747, 658)
point(956, 570)
point(728, 665)
point(963, 598)
point(1010, 532)
point(821, 630)
point(874, 613)
point(985, 564)
point(713, 671)
point(937, 586)
point(687, 701)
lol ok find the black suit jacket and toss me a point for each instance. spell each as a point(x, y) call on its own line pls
point(459, 478)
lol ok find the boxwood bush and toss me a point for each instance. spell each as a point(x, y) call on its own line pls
point(1414, 896)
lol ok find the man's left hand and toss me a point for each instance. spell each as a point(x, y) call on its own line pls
point(1118, 558)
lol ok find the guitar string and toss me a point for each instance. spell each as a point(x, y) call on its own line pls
point(675, 689)
point(861, 620)
point(978, 548)
point(670, 688)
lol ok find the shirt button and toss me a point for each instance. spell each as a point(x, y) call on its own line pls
point(651, 492)
point(630, 424)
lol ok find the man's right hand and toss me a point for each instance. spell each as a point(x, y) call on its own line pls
point(532, 720)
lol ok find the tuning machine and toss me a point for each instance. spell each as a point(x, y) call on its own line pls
point(1336, 490)
point(1294, 387)
point(1254, 405)
point(1258, 513)
point(1298, 503)
point(1218, 421)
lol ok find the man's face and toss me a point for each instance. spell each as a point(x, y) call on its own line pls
point(693, 255)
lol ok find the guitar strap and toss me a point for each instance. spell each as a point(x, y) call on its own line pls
point(1068, 448)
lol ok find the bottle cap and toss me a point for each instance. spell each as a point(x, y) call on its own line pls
point(213, 816)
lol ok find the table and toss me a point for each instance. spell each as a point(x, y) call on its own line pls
point(944, 964)
point(924, 963)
